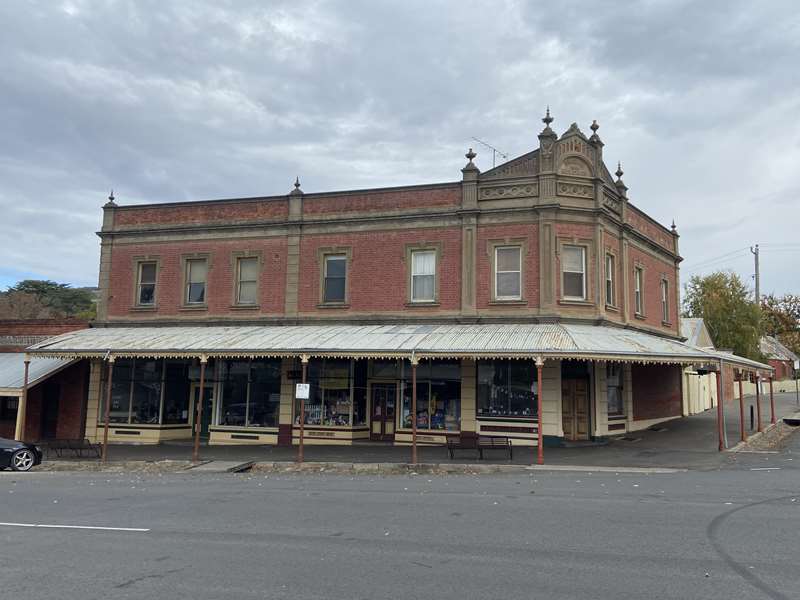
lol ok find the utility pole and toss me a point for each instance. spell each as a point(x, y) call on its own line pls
point(758, 276)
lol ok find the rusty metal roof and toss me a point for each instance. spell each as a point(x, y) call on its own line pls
point(390, 341)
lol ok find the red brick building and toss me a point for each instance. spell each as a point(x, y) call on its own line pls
point(534, 289)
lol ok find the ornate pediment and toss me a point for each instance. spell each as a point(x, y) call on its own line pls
point(575, 167)
point(526, 165)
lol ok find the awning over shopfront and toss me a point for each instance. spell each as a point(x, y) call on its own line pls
point(12, 371)
point(553, 341)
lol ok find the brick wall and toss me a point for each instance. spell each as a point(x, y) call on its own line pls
point(656, 391)
point(380, 201)
point(378, 274)
point(72, 384)
point(205, 213)
point(783, 369)
point(654, 271)
point(221, 276)
point(39, 327)
point(650, 229)
point(486, 234)
point(582, 234)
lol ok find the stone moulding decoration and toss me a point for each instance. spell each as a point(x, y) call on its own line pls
point(575, 167)
point(522, 190)
point(576, 190)
point(612, 203)
point(518, 167)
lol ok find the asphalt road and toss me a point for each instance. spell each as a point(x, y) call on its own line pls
point(733, 533)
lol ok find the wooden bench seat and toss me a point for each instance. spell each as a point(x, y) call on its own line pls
point(479, 444)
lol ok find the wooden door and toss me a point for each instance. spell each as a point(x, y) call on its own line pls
point(384, 396)
point(575, 408)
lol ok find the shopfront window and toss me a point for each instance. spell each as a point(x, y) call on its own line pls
point(176, 392)
point(251, 393)
point(616, 406)
point(337, 395)
point(507, 389)
point(147, 391)
point(146, 396)
point(438, 396)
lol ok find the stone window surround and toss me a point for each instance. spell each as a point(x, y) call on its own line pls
point(136, 263)
point(407, 257)
point(235, 256)
point(588, 247)
point(185, 258)
point(639, 266)
point(322, 253)
point(615, 303)
point(491, 251)
point(663, 290)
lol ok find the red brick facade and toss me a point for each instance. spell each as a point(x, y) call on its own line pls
point(657, 391)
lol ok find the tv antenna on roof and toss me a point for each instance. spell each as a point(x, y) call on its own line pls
point(495, 151)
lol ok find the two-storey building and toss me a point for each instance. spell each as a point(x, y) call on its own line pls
point(531, 297)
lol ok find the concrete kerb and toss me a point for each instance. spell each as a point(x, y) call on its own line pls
point(757, 436)
point(441, 468)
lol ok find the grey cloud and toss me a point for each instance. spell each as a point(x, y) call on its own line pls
point(190, 100)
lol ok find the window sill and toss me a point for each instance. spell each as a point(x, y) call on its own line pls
point(616, 417)
point(193, 307)
point(576, 302)
point(245, 307)
point(612, 308)
point(421, 304)
point(143, 309)
point(334, 305)
point(639, 316)
point(666, 324)
point(509, 302)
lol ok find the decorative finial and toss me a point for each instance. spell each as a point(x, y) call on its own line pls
point(594, 126)
point(619, 172)
point(674, 229)
point(296, 191)
point(470, 155)
point(110, 203)
point(547, 118)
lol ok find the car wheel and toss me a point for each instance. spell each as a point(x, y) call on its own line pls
point(22, 460)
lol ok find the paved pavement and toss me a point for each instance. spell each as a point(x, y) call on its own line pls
point(689, 443)
point(721, 534)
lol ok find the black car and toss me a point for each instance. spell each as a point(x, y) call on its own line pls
point(19, 455)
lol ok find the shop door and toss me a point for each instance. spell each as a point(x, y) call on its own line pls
point(208, 406)
point(384, 396)
point(575, 408)
point(50, 398)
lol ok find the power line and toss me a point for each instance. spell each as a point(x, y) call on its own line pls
point(716, 258)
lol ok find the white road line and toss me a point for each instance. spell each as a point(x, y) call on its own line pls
point(765, 469)
point(73, 527)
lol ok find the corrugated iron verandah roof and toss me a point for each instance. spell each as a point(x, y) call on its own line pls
point(562, 341)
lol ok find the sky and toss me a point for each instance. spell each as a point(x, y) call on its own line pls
point(172, 101)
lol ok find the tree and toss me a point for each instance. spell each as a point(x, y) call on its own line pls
point(724, 302)
point(55, 299)
point(780, 317)
point(21, 305)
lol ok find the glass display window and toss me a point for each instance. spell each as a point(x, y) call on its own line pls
point(507, 389)
point(250, 393)
point(438, 396)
